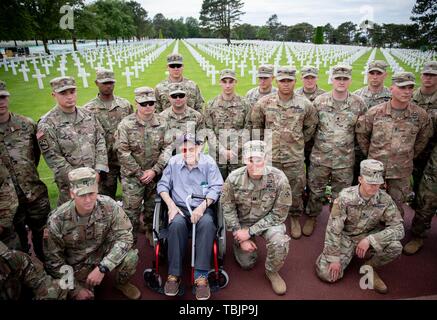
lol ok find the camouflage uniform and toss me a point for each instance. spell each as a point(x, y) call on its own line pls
point(190, 121)
point(426, 198)
point(371, 100)
point(262, 207)
point(254, 95)
point(21, 157)
point(332, 157)
point(17, 269)
point(8, 208)
point(109, 117)
point(310, 95)
point(105, 239)
point(141, 145)
point(292, 123)
point(68, 145)
point(429, 104)
point(395, 141)
point(227, 119)
point(195, 99)
point(354, 218)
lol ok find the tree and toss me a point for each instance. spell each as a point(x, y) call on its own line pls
point(263, 33)
point(425, 15)
point(329, 33)
point(87, 26)
point(273, 24)
point(221, 15)
point(376, 35)
point(178, 29)
point(301, 32)
point(246, 31)
point(140, 20)
point(192, 26)
point(318, 35)
point(15, 21)
point(161, 25)
point(345, 32)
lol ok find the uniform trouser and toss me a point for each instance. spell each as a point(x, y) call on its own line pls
point(8, 209)
point(277, 243)
point(295, 173)
point(226, 169)
point(134, 192)
point(34, 214)
point(307, 151)
point(400, 191)
point(426, 205)
point(347, 251)
point(108, 181)
point(320, 176)
point(21, 269)
point(123, 272)
point(179, 231)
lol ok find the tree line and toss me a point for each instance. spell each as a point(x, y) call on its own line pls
point(127, 20)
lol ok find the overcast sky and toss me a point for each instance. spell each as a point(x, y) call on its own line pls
point(316, 12)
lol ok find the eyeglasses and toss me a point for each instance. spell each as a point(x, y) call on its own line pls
point(175, 66)
point(177, 95)
point(147, 103)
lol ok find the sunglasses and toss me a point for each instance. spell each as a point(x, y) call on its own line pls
point(147, 103)
point(175, 66)
point(177, 95)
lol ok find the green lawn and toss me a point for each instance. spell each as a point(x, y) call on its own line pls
point(28, 100)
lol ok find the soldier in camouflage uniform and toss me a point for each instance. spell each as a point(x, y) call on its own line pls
point(255, 200)
point(426, 98)
point(292, 121)
point(144, 147)
point(265, 78)
point(180, 117)
point(92, 234)
point(373, 94)
point(70, 137)
point(109, 110)
point(8, 208)
point(18, 269)
point(227, 115)
point(364, 220)
point(394, 133)
point(175, 69)
point(311, 91)
point(425, 185)
point(332, 157)
point(20, 154)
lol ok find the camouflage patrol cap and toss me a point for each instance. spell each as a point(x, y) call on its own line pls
point(228, 73)
point(285, 72)
point(265, 71)
point(3, 91)
point(401, 79)
point(254, 148)
point(175, 58)
point(60, 84)
point(372, 171)
point(342, 70)
point(309, 71)
point(144, 94)
point(378, 65)
point(430, 67)
point(176, 88)
point(83, 181)
point(104, 75)
point(3, 249)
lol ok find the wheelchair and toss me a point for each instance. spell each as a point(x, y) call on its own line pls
point(217, 276)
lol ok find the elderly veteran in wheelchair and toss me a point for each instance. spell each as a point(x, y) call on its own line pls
point(190, 172)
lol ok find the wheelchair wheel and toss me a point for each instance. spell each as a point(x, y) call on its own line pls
point(221, 282)
point(152, 279)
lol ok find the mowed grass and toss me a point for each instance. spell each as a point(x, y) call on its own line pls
point(28, 100)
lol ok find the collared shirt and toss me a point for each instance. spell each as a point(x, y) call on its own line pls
point(180, 182)
point(373, 99)
point(187, 122)
point(253, 95)
point(310, 95)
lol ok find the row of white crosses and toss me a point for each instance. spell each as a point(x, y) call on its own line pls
point(142, 54)
point(413, 58)
point(207, 67)
point(366, 66)
point(394, 66)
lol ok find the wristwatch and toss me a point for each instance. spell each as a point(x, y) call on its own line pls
point(103, 268)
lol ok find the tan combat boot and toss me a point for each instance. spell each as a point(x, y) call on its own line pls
point(129, 290)
point(278, 284)
point(378, 285)
point(296, 231)
point(413, 246)
point(309, 226)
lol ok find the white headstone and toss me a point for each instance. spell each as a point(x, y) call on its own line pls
point(84, 75)
point(39, 76)
point(128, 74)
point(24, 71)
point(253, 72)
